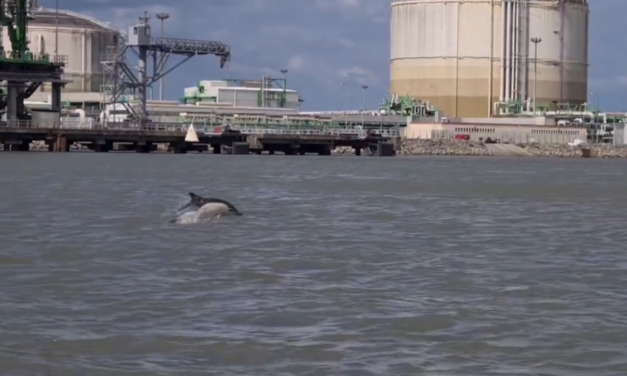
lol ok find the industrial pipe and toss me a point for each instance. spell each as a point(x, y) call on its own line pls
point(81, 113)
point(502, 81)
point(516, 48)
point(508, 51)
point(491, 77)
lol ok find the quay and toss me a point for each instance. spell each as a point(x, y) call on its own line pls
point(145, 137)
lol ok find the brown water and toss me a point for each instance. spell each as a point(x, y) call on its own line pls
point(340, 266)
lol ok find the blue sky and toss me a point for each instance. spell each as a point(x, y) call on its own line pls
point(325, 42)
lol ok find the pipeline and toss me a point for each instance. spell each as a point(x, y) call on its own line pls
point(81, 114)
point(502, 80)
point(515, 49)
point(508, 51)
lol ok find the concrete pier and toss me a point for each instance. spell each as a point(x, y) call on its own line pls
point(145, 139)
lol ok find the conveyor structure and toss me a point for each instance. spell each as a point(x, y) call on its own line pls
point(123, 83)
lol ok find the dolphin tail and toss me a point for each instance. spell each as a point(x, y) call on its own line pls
point(185, 206)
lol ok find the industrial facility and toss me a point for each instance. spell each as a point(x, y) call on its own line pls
point(82, 40)
point(450, 60)
point(480, 58)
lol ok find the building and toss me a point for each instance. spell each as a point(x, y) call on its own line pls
point(83, 40)
point(240, 93)
point(504, 130)
point(619, 134)
point(468, 56)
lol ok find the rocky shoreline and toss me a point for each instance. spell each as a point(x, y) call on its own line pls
point(477, 149)
point(566, 151)
point(444, 147)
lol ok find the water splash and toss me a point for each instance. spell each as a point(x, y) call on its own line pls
point(203, 215)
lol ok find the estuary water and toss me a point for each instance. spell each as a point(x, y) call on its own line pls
point(340, 266)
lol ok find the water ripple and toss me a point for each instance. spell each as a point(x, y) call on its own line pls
point(347, 266)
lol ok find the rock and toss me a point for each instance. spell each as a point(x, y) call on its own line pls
point(443, 147)
point(342, 150)
point(568, 151)
point(471, 148)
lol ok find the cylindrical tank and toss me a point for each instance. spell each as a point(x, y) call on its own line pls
point(82, 39)
point(441, 51)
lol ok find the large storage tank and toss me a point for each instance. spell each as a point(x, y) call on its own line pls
point(466, 55)
point(81, 38)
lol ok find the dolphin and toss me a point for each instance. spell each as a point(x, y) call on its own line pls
point(216, 206)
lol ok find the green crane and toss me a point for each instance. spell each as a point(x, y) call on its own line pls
point(14, 16)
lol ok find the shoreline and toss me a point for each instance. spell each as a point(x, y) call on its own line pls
point(477, 149)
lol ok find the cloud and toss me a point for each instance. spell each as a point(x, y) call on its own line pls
point(322, 43)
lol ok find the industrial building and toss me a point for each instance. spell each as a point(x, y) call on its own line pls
point(540, 130)
point(479, 58)
point(244, 93)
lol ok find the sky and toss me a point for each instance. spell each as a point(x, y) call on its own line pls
point(324, 42)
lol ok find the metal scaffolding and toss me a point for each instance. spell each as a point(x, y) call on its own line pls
point(21, 71)
point(121, 85)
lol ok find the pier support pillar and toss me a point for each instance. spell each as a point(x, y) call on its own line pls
point(143, 147)
point(357, 151)
point(324, 150)
point(12, 101)
point(101, 148)
point(240, 148)
point(179, 147)
point(217, 148)
point(385, 149)
point(58, 144)
point(271, 152)
point(301, 151)
point(24, 146)
point(55, 97)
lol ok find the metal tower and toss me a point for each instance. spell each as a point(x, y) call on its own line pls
point(122, 83)
point(21, 71)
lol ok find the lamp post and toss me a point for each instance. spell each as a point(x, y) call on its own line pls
point(345, 90)
point(284, 73)
point(363, 110)
point(162, 17)
point(535, 41)
point(597, 124)
point(560, 35)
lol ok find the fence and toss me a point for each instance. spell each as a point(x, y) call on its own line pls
point(88, 123)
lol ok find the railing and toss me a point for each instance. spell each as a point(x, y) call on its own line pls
point(30, 57)
point(88, 123)
point(321, 131)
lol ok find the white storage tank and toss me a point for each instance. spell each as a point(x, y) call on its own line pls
point(81, 38)
point(465, 55)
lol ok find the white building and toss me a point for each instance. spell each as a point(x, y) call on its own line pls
point(255, 94)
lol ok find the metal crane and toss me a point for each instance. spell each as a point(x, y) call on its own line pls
point(21, 71)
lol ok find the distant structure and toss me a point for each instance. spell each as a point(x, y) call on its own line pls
point(130, 90)
point(268, 92)
point(478, 58)
point(23, 71)
point(80, 38)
